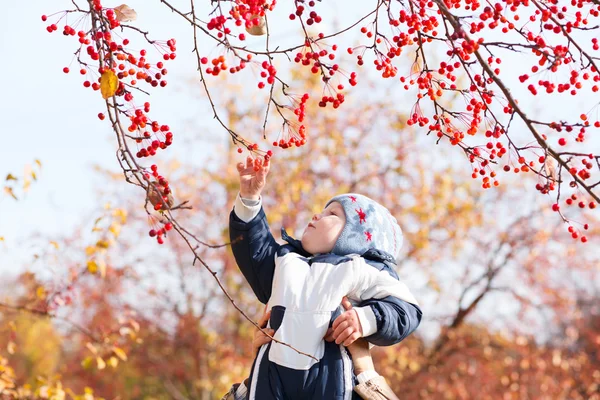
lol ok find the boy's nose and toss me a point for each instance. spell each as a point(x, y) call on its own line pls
point(316, 217)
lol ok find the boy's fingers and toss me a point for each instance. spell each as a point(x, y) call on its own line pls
point(240, 166)
point(351, 339)
point(344, 335)
point(339, 329)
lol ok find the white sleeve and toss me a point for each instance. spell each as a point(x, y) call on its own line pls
point(371, 283)
point(367, 319)
point(246, 209)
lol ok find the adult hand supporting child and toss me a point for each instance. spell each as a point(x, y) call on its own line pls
point(259, 337)
point(346, 328)
point(253, 176)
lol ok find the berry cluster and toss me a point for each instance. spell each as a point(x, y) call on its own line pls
point(116, 70)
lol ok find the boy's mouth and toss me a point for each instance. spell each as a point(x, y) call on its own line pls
point(310, 225)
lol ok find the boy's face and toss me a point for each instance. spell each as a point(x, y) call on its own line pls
point(324, 229)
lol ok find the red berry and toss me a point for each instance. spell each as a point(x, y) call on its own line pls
point(101, 116)
point(168, 226)
point(239, 150)
point(562, 141)
point(66, 70)
point(152, 233)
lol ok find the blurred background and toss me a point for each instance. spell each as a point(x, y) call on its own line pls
point(510, 302)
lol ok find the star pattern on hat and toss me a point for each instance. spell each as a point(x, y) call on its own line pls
point(361, 215)
point(353, 198)
point(369, 236)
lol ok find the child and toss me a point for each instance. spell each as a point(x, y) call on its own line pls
point(348, 250)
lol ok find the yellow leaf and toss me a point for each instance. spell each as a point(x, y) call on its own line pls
point(102, 268)
point(9, 191)
point(103, 244)
point(41, 293)
point(1, 238)
point(38, 162)
point(11, 177)
point(108, 84)
point(53, 243)
point(92, 266)
point(33, 175)
point(125, 14)
point(100, 363)
point(115, 229)
point(113, 362)
point(120, 353)
point(90, 250)
point(121, 213)
point(91, 348)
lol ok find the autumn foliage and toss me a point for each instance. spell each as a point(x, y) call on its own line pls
point(510, 299)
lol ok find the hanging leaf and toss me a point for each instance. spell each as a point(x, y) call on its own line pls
point(54, 244)
point(38, 162)
point(92, 266)
point(120, 353)
point(108, 84)
point(113, 362)
point(9, 191)
point(11, 177)
point(100, 362)
point(125, 14)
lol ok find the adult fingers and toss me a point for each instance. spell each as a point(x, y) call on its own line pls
point(346, 303)
point(345, 316)
point(262, 322)
point(329, 335)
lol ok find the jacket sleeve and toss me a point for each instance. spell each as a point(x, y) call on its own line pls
point(396, 319)
point(254, 249)
point(394, 308)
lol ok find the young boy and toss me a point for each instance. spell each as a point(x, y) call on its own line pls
point(347, 250)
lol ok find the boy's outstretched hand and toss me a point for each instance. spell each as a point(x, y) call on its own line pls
point(253, 176)
point(346, 328)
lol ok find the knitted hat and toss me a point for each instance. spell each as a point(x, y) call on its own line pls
point(369, 225)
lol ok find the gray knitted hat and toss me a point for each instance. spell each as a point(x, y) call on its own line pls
point(369, 225)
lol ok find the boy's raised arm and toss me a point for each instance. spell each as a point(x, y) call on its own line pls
point(253, 244)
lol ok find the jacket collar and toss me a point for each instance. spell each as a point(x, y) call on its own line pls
point(371, 254)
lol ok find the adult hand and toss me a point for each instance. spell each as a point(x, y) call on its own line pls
point(346, 328)
point(259, 337)
point(253, 177)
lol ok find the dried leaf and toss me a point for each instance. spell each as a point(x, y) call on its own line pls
point(33, 175)
point(92, 348)
point(102, 268)
point(41, 293)
point(120, 353)
point(125, 14)
point(92, 266)
point(9, 191)
point(100, 363)
point(11, 177)
point(108, 84)
point(87, 362)
point(115, 229)
point(2, 239)
point(38, 162)
point(550, 165)
point(54, 244)
point(113, 362)
point(90, 250)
